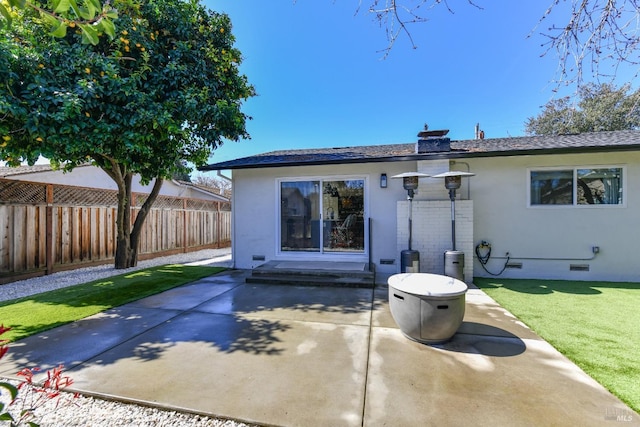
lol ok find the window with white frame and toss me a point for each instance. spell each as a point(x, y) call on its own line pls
point(582, 186)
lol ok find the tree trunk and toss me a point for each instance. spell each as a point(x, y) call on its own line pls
point(123, 223)
point(128, 237)
point(134, 237)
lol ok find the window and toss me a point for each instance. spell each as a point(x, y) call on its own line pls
point(599, 186)
point(324, 215)
point(553, 187)
point(578, 186)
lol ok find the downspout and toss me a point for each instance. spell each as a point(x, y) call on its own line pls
point(223, 176)
point(233, 222)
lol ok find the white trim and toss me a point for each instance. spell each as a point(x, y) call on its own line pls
point(574, 170)
point(213, 195)
point(320, 254)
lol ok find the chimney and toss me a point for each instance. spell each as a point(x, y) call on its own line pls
point(432, 141)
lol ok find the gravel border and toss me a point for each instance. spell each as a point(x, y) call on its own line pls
point(91, 411)
point(82, 411)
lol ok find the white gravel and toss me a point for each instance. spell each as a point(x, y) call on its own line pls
point(85, 411)
point(89, 411)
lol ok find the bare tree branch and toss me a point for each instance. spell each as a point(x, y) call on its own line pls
point(594, 38)
point(395, 16)
point(597, 34)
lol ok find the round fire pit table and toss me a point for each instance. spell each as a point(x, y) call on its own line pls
point(428, 308)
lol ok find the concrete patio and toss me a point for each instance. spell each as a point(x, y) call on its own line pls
point(316, 356)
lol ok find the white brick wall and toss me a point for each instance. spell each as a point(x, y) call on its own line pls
point(432, 188)
point(432, 232)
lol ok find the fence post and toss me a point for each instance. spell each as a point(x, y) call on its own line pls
point(218, 225)
point(49, 230)
point(185, 224)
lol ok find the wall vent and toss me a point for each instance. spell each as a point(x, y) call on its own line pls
point(257, 257)
point(387, 261)
point(517, 265)
point(579, 267)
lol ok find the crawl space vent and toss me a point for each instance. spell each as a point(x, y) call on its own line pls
point(579, 267)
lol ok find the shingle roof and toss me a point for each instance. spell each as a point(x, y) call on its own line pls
point(21, 170)
point(525, 145)
point(6, 171)
point(209, 190)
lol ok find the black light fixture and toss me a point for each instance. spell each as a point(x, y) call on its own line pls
point(410, 259)
point(453, 260)
point(383, 180)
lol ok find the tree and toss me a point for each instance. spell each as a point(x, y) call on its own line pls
point(182, 172)
point(167, 89)
point(90, 16)
point(592, 34)
point(599, 108)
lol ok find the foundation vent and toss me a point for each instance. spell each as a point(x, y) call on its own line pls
point(257, 257)
point(516, 265)
point(579, 267)
point(387, 261)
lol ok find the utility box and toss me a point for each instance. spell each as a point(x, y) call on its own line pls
point(409, 261)
point(454, 264)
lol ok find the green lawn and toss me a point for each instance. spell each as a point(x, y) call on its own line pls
point(595, 324)
point(33, 314)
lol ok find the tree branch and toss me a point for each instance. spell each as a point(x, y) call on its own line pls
point(395, 16)
point(597, 35)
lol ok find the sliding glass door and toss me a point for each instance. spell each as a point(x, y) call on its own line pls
point(322, 216)
point(300, 216)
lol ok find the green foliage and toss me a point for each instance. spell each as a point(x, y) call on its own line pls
point(29, 395)
point(598, 108)
point(167, 88)
point(90, 16)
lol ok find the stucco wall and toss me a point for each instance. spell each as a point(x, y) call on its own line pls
point(255, 207)
point(548, 240)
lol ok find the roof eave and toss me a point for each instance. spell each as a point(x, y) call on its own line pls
point(222, 166)
point(214, 195)
point(548, 151)
point(454, 154)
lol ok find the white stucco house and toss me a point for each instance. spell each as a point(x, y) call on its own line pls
point(89, 176)
point(551, 207)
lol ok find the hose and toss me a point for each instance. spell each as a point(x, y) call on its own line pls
point(484, 259)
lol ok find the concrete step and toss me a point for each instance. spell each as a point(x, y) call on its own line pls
point(311, 280)
point(313, 274)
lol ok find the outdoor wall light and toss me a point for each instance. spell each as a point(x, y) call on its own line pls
point(383, 180)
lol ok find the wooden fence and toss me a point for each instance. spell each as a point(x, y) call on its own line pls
point(46, 228)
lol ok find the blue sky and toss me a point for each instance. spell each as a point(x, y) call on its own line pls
point(322, 81)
